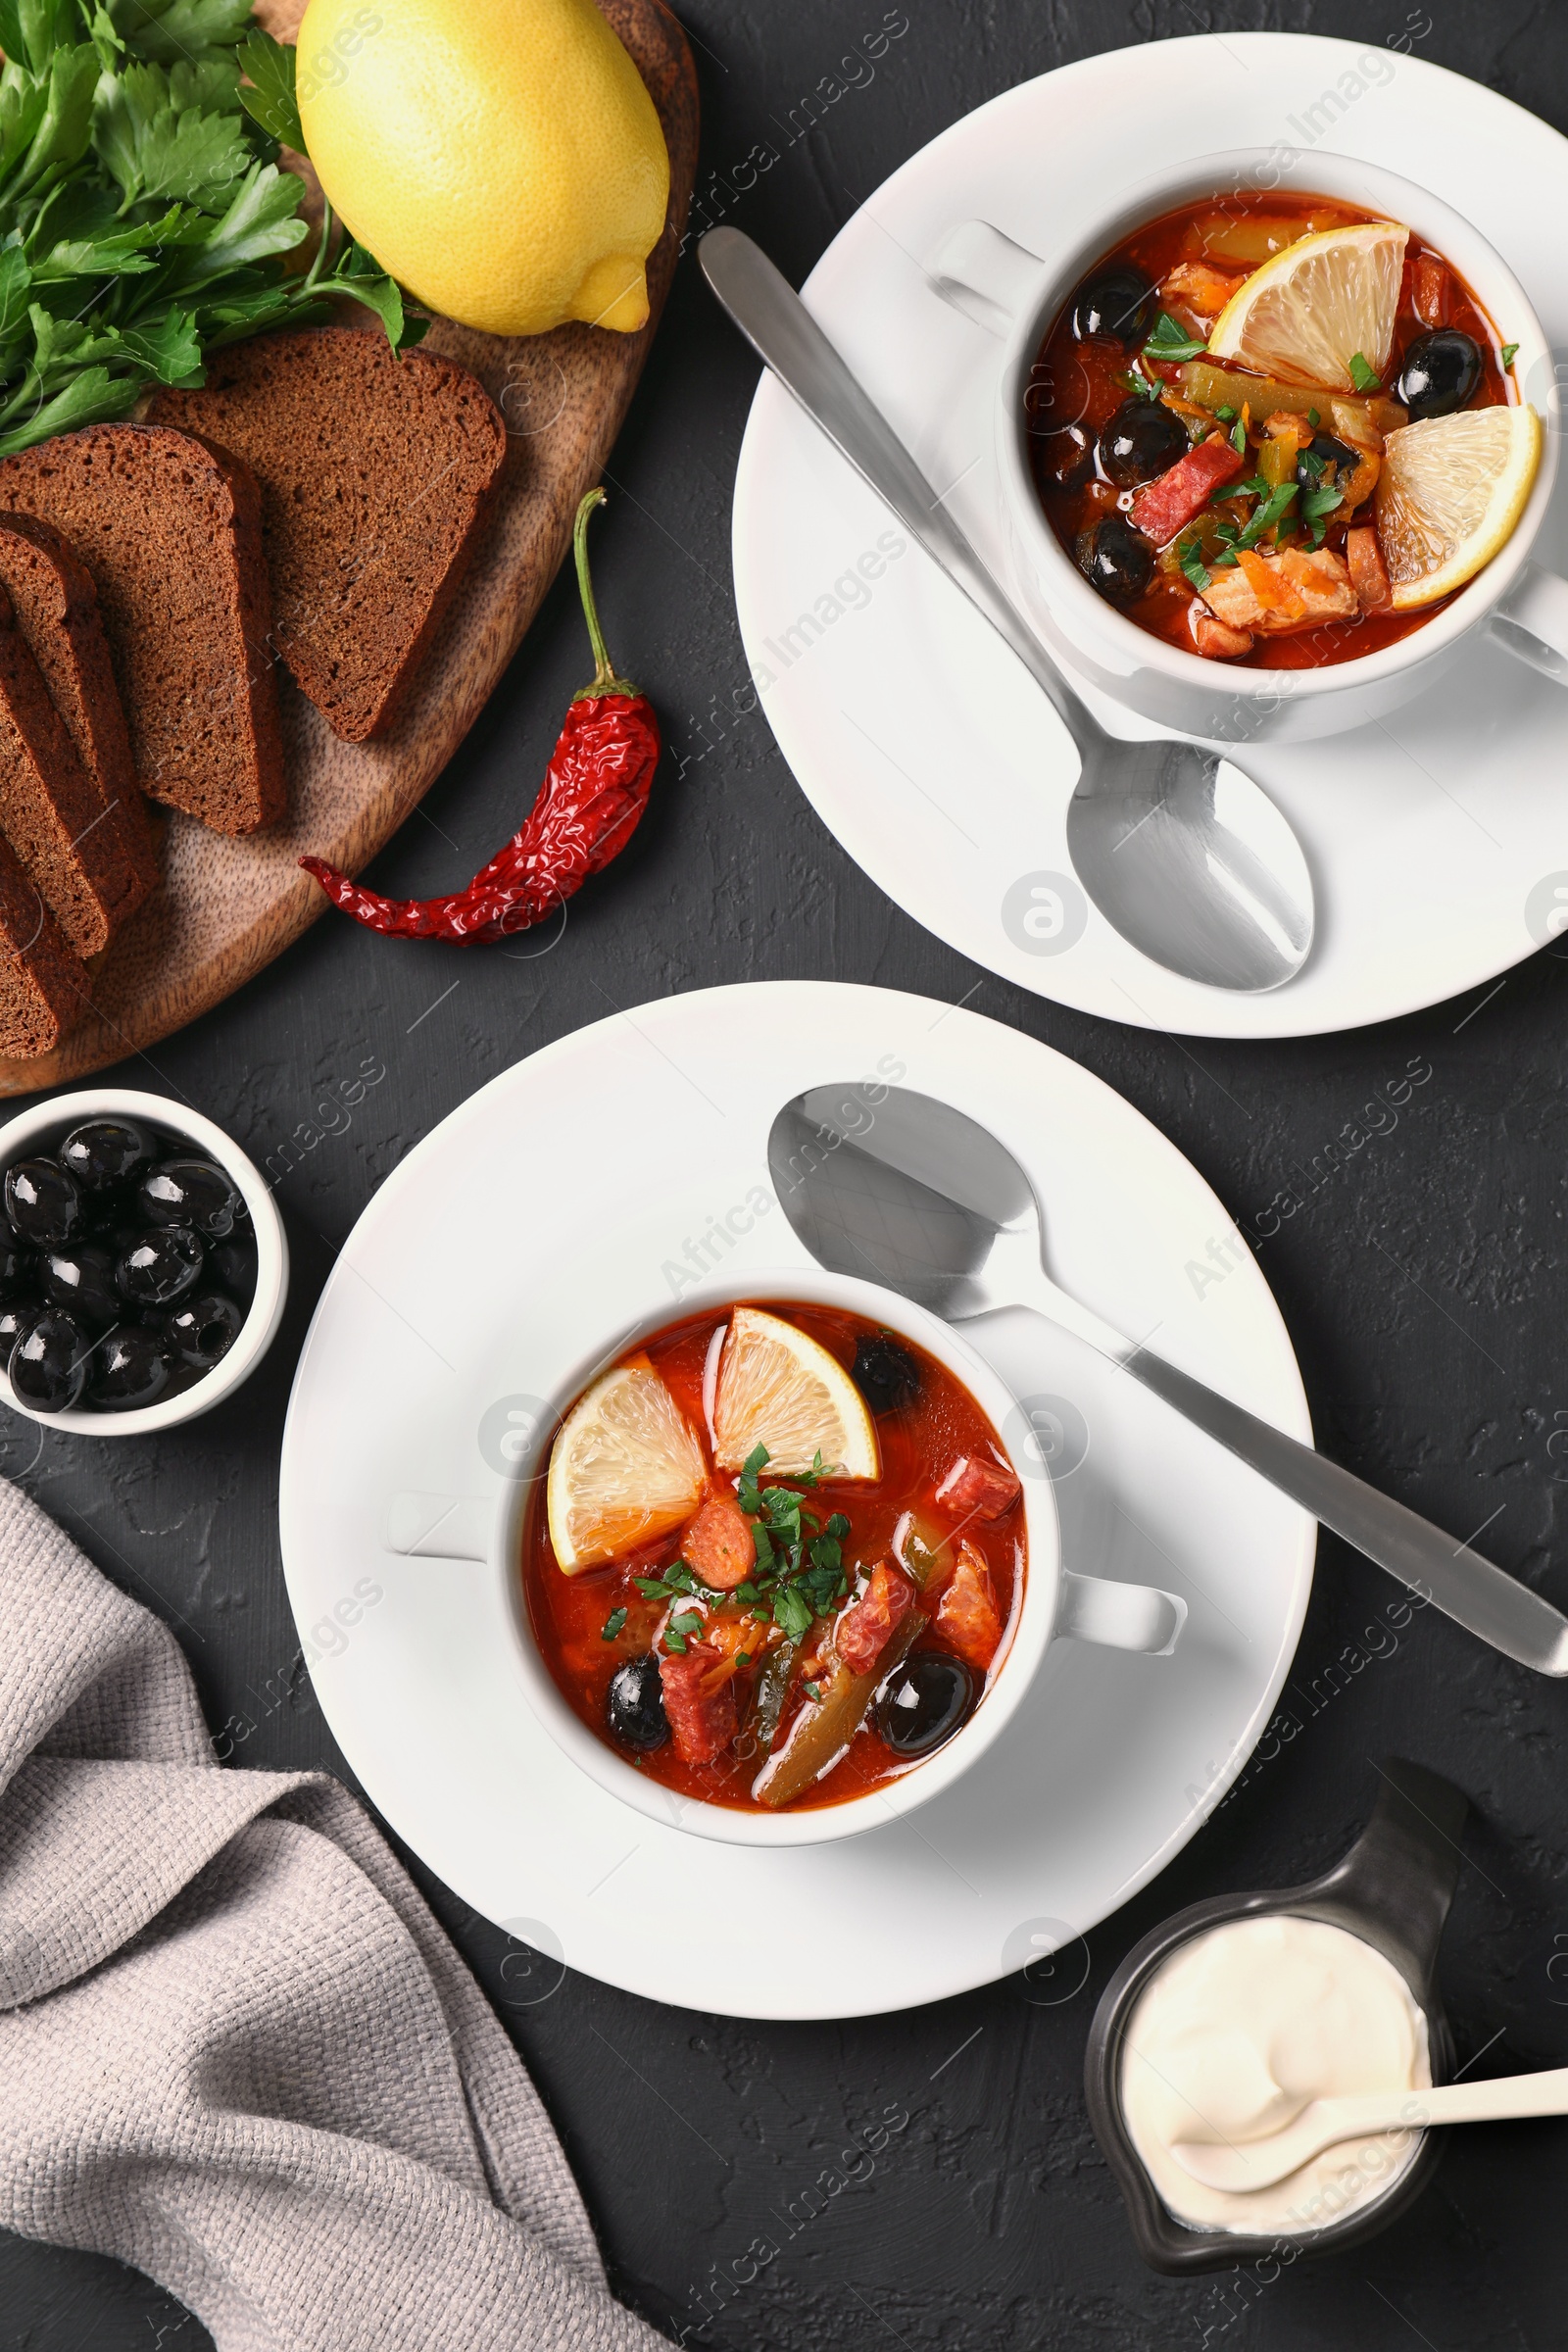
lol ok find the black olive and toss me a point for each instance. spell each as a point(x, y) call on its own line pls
point(202, 1330)
point(1067, 456)
point(886, 1374)
point(189, 1192)
point(1326, 449)
point(157, 1268)
point(1143, 439)
point(130, 1368)
point(923, 1702)
point(104, 1152)
point(1117, 559)
point(49, 1362)
point(43, 1203)
point(17, 1315)
point(1114, 306)
point(82, 1279)
point(18, 1267)
point(634, 1704)
point(233, 1263)
point(1441, 370)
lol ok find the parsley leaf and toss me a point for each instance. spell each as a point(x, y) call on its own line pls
point(612, 1625)
point(1134, 380)
point(1239, 437)
point(1363, 376)
point(1190, 556)
point(792, 1611)
point(1316, 506)
point(1314, 419)
point(1225, 415)
point(1508, 354)
point(1171, 341)
point(268, 91)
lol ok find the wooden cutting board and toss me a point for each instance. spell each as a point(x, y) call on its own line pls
point(226, 907)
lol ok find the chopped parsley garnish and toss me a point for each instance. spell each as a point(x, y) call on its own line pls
point(1311, 466)
point(612, 1625)
point(1239, 437)
point(678, 1628)
point(677, 1578)
point(1508, 353)
point(800, 1560)
point(1134, 380)
point(1171, 341)
point(1190, 556)
point(1314, 419)
point(1363, 376)
point(813, 1690)
point(1317, 508)
point(1225, 415)
point(1270, 511)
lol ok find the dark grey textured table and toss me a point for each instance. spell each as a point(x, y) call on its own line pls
point(1421, 1278)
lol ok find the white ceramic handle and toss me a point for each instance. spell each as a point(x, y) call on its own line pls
point(1531, 623)
point(1120, 1616)
point(984, 274)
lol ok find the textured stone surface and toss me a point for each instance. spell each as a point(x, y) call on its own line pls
point(1421, 1279)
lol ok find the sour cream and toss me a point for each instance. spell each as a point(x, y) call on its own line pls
point(1237, 2033)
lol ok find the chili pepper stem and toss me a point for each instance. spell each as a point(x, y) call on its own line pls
point(604, 680)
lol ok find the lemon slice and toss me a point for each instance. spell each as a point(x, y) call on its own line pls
point(1308, 313)
point(626, 1467)
point(779, 1389)
point(1450, 491)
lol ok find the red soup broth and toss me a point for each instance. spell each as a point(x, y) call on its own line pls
point(919, 1443)
point(1076, 386)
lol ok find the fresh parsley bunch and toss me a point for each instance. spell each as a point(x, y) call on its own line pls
point(144, 218)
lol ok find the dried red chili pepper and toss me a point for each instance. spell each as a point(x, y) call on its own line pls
point(595, 789)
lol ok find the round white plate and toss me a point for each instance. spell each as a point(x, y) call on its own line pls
point(918, 738)
point(491, 1261)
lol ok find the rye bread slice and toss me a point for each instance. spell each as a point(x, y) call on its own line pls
point(169, 531)
point(57, 612)
point(51, 812)
point(377, 473)
point(43, 988)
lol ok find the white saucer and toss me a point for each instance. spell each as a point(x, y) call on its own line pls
point(921, 741)
point(511, 1237)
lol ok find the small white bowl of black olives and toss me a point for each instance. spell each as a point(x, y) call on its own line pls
point(143, 1263)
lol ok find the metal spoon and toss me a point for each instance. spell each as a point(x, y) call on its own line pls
point(915, 1195)
point(1178, 848)
point(1242, 2165)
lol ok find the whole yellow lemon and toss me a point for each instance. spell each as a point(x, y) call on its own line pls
point(501, 158)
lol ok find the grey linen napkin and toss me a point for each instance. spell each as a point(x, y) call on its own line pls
point(236, 2047)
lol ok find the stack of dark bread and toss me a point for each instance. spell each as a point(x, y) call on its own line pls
point(314, 504)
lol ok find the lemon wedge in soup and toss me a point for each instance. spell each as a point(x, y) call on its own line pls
point(626, 1467)
point(779, 1388)
point(502, 158)
point(1317, 307)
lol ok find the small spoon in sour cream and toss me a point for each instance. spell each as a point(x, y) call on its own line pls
point(1326, 2123)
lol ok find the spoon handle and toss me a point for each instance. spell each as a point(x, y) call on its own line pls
point(1470, 1589)
point(774, 320)
point(1256, 2164)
